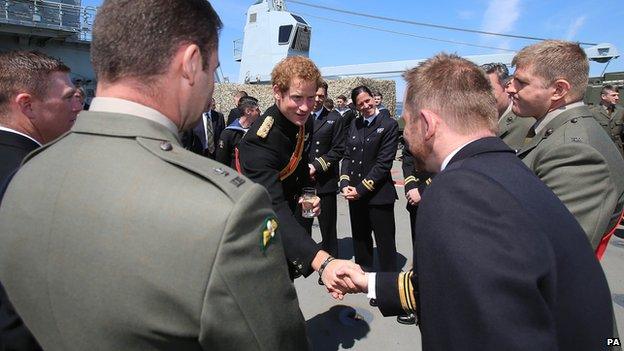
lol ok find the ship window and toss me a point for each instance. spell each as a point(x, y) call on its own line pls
point(284, 34)
point(252, 17)
point(299, 19)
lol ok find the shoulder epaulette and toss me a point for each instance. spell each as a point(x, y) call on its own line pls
point(228, 180)
point(264, 129)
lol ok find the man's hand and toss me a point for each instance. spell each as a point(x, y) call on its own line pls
point(357, 277)
point(335, 285)
point(339, 286)
point(413, 197)
point(316, 205)
point(350, 193)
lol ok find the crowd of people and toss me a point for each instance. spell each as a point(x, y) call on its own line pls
point(152, 220)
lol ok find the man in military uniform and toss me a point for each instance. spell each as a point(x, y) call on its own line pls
point(345, 111)
point(568, 151)
point(272, 154)
point(324, 155)
point(232, 134)
point(105, 239)
point(511, 128)
point(610, 115)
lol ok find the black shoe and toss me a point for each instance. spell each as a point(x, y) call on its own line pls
point(372, 302)
point(407, 319)
point(320, 281)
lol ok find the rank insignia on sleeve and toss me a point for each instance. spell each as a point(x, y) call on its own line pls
point(264, 129)
point(268, 231)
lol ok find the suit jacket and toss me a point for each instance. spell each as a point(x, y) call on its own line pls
point(121, 255)
point(326, 150)
point(499, 261)
point(368, 159)
point(13, 149)
point(14, 335)
point(612, 124)
point(580, 164)
point(261, 160)
point(195, 139)
point(513, 129)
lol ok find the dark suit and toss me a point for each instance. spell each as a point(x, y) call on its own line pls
point(500, 262)
point(14, 335)
point(13, 149)
point(325, 152)
point(262, 159)
point(369, 153)
point(230, 137)
point(195, 139)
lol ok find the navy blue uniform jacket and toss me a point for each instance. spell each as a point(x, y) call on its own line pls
point(501, 263)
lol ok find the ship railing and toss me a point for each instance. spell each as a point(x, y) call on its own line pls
point(76, 20)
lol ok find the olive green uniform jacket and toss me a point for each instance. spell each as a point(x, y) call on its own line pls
point(513, 129)
point(612, 124)
point(114, 237)
point(581, 165)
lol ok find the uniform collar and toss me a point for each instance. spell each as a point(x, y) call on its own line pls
point(116, 105)
point(542, 123)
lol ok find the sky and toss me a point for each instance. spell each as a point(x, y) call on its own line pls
point(334, 44)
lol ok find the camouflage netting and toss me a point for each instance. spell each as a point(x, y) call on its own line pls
point(224, 92)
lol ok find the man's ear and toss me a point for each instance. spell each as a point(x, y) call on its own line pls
point(430, 123)
point(192, 63)
point(561, 89)
point(277, 93)
point(24, 103)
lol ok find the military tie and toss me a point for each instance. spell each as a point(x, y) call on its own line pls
point(210, 144)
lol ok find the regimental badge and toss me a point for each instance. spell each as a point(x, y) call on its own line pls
point(379, 130)
point(268, 232)
point(306, 137)
point(221, 144)
point(264, 129)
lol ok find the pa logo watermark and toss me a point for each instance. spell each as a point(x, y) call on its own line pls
point(613, 342)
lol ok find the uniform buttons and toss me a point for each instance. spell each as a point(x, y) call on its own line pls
point(549, 131)
point(509, 119)
point(359, 174)
point(318, 142)
point(367, 139)
point(166, 146)
point(360, 162)
point(316, 150)
point(351, 172)
point(574, 120)
point(362, 150)
point(353, 137)
point(354, 148)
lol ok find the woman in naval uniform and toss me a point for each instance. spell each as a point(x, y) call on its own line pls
point(366, 182)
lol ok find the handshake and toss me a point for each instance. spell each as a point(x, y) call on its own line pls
point(342, 277)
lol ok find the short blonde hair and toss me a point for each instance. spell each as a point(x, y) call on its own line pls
point(454, 88)
point(295, 67)
point(556, 59)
